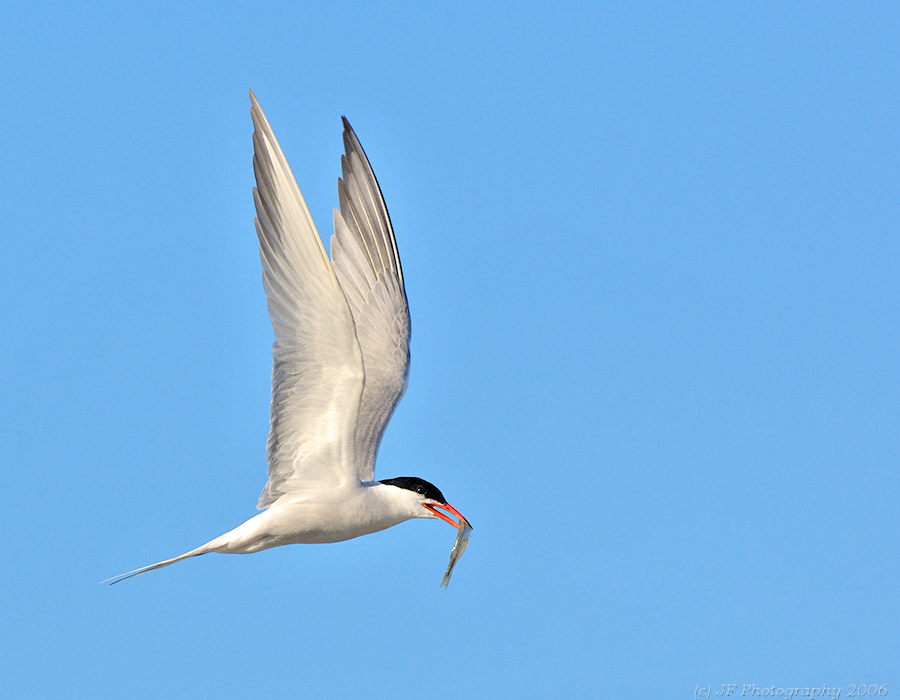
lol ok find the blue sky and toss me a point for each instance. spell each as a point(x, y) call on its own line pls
point(652, 258)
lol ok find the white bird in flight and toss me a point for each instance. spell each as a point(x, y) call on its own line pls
point(340, 364)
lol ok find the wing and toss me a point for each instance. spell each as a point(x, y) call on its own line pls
point(367, 265)
point(317, 373)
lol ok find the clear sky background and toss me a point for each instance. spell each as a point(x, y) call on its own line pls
point(653, 265)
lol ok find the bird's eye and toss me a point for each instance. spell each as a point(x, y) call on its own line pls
point(420, 489)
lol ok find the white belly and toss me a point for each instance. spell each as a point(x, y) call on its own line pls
point(315, 517)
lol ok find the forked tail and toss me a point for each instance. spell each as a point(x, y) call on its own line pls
point(143, 570)
point(252, 536)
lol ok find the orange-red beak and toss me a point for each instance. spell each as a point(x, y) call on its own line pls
point(433, 507)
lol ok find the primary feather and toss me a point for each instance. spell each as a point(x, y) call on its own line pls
point(317, 372)
point(368, 267)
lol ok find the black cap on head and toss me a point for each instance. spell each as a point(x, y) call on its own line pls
point(420, 486)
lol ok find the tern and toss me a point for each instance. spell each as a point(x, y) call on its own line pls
point(340, 363)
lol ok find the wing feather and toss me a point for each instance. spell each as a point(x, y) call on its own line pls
point(317, 372)
point(367, 265)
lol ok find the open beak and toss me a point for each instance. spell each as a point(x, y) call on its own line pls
point(433, 507)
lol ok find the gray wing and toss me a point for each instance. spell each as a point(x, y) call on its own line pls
point(364, 254)
point(317, 372)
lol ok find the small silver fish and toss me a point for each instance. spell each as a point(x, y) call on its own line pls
point(462, 539)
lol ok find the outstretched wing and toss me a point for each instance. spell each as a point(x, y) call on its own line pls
point(367, 265)
point(317, 373)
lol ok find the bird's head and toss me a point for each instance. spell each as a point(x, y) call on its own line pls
point(425, 498)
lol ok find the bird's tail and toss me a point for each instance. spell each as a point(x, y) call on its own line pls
point(252, 536)
point(205, 549)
